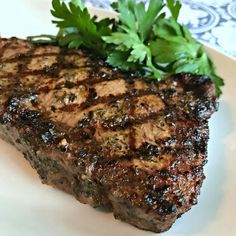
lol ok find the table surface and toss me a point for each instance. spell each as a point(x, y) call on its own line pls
point(213, 22)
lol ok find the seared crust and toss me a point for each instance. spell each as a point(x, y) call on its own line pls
point(109, 138)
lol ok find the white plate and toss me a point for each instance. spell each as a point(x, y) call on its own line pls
point(28, 208)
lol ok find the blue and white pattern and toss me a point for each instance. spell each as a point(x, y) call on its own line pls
point(213, 22)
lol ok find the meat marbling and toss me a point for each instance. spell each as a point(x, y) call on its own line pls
point(111, 139)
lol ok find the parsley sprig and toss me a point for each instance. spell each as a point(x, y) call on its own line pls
point(143, 38)
point(78, 28)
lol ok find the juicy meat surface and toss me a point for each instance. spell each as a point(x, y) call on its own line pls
point(109, 138)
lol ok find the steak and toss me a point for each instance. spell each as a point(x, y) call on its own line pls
point(112, 139)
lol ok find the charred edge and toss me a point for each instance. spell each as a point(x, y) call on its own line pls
point(14, 102)
point(43, 128)
point(5, 118)
point(164, 207)
point(12, 105)
point(201, 85)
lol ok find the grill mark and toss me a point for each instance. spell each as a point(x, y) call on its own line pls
point(143, 153)
point(111, 98)
point(55, 70)
point(89, 82)
point(61, 66)
point(32, 56)
point(7, 76)
point(92, 96)
point(4, 48)
point(86, 82)
point(131, 122)
point(2, 51)
point(23, 63)
point(160, 94)
point(21, 67)
point(34, 72)
point(60, 59)
point(27, 61)
point(48, 71)
point(90, 101)
point(27, 57)
point(52, 71)
point(178, 142)
point(132, 140)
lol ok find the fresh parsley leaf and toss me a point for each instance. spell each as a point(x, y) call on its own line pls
point(73, 40)
point(121, 38)
point(167, 28)
point(74, 19)
point(134, 27)
point(136, 18)
point(143, 38)
point(219, 82)
point(78, 3)
point(160, 47)
point(126, 13)
point(174, 7)
point(104, 26)
point(157, 74)
point(187, 54)
point(138, 53)
point(120, 60)
point(146, 19)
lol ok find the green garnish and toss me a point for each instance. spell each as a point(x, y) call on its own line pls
point(142, 39)
point(78, 28)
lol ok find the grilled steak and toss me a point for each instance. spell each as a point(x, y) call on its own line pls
point(110, 138)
